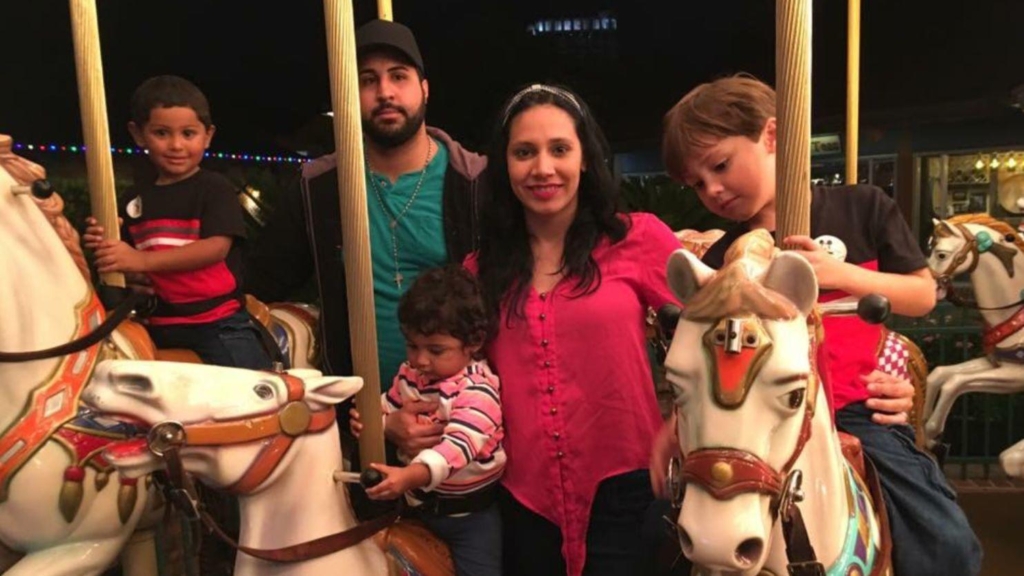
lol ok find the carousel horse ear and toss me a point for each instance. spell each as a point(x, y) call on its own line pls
point(686, 274)
point(792, 276)
point(332, 389)
point(943, 228)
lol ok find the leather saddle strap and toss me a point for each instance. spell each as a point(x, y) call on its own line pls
point(314, 548)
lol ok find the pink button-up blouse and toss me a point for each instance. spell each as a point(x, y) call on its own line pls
point(577, 393)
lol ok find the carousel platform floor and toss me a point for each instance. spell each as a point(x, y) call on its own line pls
point(995, 509)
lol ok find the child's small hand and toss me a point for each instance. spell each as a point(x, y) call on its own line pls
point(355, 423)
point(93, 233)
point(827, 269)
point(117, 256)
point(398, 481)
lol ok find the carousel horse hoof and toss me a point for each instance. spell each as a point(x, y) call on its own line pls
point(370, 478)
point(874, 309)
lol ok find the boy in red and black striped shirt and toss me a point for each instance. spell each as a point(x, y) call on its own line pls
point(183, 230)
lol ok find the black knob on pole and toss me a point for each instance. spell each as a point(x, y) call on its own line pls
point(370, 478)
point(874, 309)
point(42, 189)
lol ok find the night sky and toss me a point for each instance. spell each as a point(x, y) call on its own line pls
point(263, 64)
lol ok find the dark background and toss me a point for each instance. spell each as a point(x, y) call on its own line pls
point(263, 64)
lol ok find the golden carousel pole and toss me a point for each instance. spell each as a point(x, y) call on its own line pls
point(95, 130)
point(384, 10)
point(355, 225)
point(139, 555)
point(793, 146)
point(852, 89)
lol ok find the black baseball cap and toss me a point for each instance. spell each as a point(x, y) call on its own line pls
point(387, 34)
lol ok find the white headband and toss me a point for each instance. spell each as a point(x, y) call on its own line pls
point(540, 88)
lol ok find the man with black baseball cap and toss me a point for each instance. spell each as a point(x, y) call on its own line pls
point(387, 35)
point(423, 193)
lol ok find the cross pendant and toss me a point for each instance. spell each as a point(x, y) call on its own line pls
point(398, 279)
point(393, 224)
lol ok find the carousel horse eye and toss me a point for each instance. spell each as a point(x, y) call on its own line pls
point(941, 255)
point(796, 398)
point(264, 391)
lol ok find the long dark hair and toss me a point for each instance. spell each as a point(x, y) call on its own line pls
point(505, 259)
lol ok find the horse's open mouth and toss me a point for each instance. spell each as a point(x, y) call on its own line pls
point(135, 443)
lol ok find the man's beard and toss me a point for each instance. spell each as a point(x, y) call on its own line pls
point(394, 135)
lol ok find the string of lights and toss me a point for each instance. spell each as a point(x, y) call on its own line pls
point(245, 157)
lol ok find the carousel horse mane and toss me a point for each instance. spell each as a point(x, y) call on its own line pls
point(999, 226)
point(25, 172)
point(737, 288)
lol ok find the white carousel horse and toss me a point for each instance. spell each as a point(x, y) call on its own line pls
point(989, 251)
point(233, 421)
point(751, 414)
point(63, 510)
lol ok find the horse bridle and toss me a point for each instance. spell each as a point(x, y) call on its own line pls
point(969, 249)
point(280, 429)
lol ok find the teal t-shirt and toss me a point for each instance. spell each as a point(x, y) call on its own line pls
point(418, 241)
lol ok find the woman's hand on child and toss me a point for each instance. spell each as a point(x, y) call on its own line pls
point(398, 481)
point(891, 399)
point(829, 270)
point(410, 432)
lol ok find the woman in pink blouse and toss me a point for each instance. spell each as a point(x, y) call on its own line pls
point(571, 279)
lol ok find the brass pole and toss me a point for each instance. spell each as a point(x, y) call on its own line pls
point(793, 76)
point(852, 89)
point(355, 225)
point(95, 130)
point(384, 10)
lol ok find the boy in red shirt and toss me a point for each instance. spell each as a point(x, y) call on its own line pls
point(182, 231)
point(720, 140)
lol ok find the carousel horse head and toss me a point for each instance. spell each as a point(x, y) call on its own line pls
point(232, 427)
point(745, 384)
point(958, 244)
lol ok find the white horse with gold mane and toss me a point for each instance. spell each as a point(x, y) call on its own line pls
point(63, 508)
point(992, 253)
point(753, 419)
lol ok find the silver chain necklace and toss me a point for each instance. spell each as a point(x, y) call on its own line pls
point(393, 220)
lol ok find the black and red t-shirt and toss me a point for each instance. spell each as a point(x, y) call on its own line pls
point(173, 215)
point(876, 237)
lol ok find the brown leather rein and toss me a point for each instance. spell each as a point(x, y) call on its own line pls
point(294, 419)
